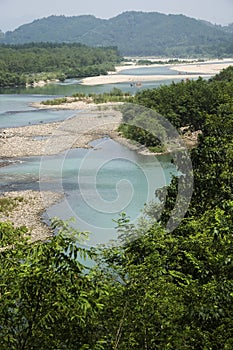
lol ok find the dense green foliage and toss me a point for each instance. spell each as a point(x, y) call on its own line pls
point(33, 62)
point(143, 126)
point(134, 33)
point(46, 299)
point(157, 289)
point(190, 102)
point(167, 61)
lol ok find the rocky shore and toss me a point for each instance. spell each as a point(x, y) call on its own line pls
point(28, 211)
point(53, 138)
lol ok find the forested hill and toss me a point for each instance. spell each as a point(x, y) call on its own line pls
point(134, 33)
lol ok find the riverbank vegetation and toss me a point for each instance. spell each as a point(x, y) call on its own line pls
point(157, 289)
point(29, 63)
point(115, 95)
point(149, 62)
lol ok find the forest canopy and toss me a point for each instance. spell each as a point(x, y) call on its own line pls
point(21, 64)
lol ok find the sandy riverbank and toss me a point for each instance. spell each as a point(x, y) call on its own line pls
point(187, 71)
point(120, 78)
point(211, 68)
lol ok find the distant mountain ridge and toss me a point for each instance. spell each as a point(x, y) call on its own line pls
point(134, 33)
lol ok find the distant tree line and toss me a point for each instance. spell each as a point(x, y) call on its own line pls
point(21, 64)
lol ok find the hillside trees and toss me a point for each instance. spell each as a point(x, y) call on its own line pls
point(174, 290)
point(19, 63)
point(46, 299)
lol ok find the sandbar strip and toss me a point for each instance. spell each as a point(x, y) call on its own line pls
point(187, 71)
point(121, 78)
point(210, 68)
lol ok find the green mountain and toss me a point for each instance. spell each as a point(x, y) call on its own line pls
point(53, 29)
point(134, 33)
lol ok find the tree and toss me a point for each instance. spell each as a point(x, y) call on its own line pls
point(170, 290)
point(47, 301)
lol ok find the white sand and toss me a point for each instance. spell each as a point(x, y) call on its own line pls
point(208, 69)
point(120, 78)
point(211, 68)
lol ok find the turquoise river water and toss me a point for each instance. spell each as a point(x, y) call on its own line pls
point(99, 183)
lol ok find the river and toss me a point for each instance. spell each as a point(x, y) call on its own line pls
point(98, 183)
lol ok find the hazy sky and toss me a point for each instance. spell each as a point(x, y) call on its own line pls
point(14, 13)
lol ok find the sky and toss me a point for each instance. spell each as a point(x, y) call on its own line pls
point(14, 13)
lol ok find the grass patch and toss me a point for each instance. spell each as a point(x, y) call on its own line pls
point(115, 95)
point(157, 149)
point(7, 204)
